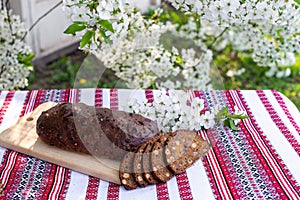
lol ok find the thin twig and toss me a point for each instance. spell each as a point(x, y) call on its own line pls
point(2, 4)
point(41, 17)
point(3, 67)
point(8, 16)
point(216, 38)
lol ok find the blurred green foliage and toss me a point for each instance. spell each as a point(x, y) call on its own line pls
point(64, 73)
point(254, 77)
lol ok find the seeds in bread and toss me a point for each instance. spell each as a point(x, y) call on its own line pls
point(138, 167)
point(158, 160)
point(147, 175)
point(125, 172)
point(185, 148)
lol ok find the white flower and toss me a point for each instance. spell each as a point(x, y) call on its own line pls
point(266, 28)
point(13, 72)
point(207, 120)
point(104, 9)
point(197, 104)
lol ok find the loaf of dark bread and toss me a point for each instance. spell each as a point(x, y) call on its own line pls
point(101, 132)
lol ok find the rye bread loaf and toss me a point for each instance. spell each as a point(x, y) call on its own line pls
point(101, 132)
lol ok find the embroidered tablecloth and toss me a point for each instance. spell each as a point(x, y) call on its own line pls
point(260, 161)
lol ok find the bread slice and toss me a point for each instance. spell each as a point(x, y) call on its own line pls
point(185, 148)
point(158, 160)
point(138, 166)
point(147, 175)
point(125, 172)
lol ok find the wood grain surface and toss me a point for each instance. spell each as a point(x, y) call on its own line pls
point(22, 137)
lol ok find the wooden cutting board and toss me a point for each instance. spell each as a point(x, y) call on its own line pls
point(22, 137)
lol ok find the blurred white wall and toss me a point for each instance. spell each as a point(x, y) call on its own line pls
point(47, 36)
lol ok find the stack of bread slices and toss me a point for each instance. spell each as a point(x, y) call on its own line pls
point(160, 158)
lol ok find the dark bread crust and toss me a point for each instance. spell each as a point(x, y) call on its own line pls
point(99, 131)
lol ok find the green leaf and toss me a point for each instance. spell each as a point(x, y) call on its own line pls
point(232, 125)
point(106, 38)
point(226, 123)
point(26, 59)
point(223, 113)
point(75, 27)
point(175, 17)
point(86, 38)
point(238, 116)
point(107, 25)
point(297, 1)
point(179, 60)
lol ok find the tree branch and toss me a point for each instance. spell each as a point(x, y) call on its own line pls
point(216, 38)
point(41, 17)
point(8, 16)
point(2, 4)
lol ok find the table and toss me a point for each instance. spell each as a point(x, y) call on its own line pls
point(260, 161)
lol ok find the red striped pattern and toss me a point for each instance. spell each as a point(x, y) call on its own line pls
point(208, 159)
point(278, 172)
point(92, 189)
point(93, 184)
point(224, 181)
point(40, 98)
point(149, 96)
point(74, 95)
point(25, 103)
point(48, 181)
point(113, 189)
point(162, 191)
point(64, 96)
point(65, 184)
point(278, 121)
point(99, 97)
point(58, 183)
point(210, 171)
point(10, 159)
point(30, 105)
point(286, 110)
point(266, 172)
point(220, 178)
point(222, 171)
point(184, 186)
point(6, 104)
point(114, 101)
